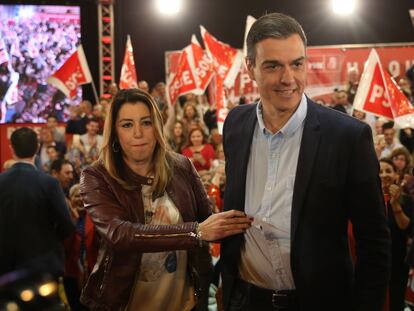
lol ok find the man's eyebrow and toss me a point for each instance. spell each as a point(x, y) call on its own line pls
point(299, 59)
point(276, 62)
point(271, 62)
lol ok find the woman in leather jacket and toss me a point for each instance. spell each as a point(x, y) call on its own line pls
point(151, 212)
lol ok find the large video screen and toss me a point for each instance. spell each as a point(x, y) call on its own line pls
point(35, 40)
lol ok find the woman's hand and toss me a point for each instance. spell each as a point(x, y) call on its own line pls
point(395, 192)
point(224, 224)
point(199, 158)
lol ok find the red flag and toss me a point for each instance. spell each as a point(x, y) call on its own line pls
point(372, 94)
point(379, 94)
point(202, 63)
point(227, 62)
point(73, 73)
point(402, 110)
point(128, 73)
point(183, 81)
point(171, 63)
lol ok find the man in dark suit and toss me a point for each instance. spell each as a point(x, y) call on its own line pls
point(302, 171)
point(34, 219)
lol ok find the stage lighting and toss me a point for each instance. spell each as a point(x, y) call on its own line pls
point(343, 7)
point(169, 7)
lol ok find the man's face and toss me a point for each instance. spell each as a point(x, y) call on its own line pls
point(143, 85)
point(85, 107)
point(389, 136)
point(92, 128)
point(52, 154)
point(52, 122)
point(341, 98)
point(65, 176)
point(46, 135)
point(280, 72)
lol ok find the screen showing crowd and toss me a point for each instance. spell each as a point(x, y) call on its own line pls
point(35, 40)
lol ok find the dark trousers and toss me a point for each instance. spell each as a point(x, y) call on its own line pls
point(73, 294)
point(248, 297)
point(398, 286)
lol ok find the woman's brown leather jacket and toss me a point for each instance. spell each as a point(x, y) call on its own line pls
point(118, 215)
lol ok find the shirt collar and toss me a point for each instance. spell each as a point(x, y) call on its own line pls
point(292, 125)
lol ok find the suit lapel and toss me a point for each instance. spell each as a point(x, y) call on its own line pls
point(247, 131)
point(307, 153)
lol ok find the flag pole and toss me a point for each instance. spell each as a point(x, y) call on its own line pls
point(95, 93)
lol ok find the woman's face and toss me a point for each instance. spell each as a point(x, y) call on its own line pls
point(387, 175)
point(178, 129)
point(76, 201)
point(135, 133)
point(220, 152)
point(196, 138)
point(399, 162)
point(189, 112)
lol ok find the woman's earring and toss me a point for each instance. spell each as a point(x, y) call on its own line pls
point(115, 146)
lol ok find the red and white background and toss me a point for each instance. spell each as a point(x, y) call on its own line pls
point(327, 68)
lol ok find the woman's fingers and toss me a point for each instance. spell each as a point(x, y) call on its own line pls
point(232, 213)
point(224, 224)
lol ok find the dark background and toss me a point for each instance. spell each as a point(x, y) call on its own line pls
point(375, 21)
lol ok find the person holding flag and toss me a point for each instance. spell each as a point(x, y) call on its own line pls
point(302, 171)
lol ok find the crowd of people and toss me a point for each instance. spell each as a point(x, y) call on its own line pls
point(191, 130)
point(180, 165)
point(36, 48)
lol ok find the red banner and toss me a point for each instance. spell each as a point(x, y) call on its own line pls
point(203, 65)
point(379, 94)
point(172, 59)
point(73, 73)
point(372, 95)
point(128, 73)
point(183, 81)
point(328, 66)
point(227, 62)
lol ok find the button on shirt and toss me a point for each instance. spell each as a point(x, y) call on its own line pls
point(271, 171)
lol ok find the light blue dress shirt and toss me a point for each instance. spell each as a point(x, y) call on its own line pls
point(271, 171)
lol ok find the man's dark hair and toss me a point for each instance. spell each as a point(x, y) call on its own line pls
point(388, 125)
point(51, 147)
point(93, 119)
point(273, 25)
point(52, 116)
point(24, 142)
point(58, 163)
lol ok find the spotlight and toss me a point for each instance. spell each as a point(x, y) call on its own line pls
point(48, 289)
point(343, 7)
point(26, 295)
point(169, 7)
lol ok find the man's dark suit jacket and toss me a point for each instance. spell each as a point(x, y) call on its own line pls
point(336, 181)
point(34, 221)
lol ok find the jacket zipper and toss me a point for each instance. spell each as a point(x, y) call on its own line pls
point(106, 263)
point(156, 235)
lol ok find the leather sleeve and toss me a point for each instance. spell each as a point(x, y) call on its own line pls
point(113, 224)
point(204, 206)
